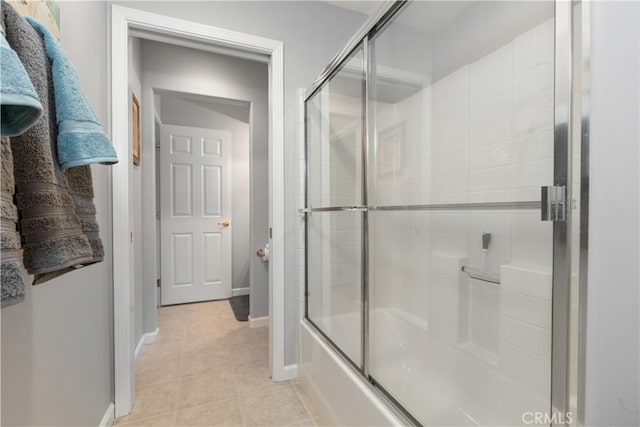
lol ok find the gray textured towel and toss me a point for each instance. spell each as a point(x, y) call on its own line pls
point(53, 241)
point(11, 277)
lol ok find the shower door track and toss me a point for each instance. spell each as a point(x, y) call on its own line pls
point(526, 205)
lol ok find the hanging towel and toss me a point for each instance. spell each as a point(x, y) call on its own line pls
point(81, 140)
point(19, 104)
point(81, 189)
point(11, 277)
point(52, 237)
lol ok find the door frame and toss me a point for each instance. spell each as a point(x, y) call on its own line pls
point(123, 21)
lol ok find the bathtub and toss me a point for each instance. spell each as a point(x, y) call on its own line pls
point(340, 396)
point(440, 383)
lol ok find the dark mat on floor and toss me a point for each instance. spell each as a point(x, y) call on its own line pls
point(240, 307)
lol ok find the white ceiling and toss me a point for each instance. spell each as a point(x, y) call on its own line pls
point(424, 16)
point(365, 6)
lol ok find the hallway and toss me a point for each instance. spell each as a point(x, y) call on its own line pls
point(208, 369)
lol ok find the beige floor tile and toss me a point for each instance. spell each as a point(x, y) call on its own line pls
point(207, 328)
point(158, 370)
point(153, 400)
point(254, 378)
point(171, 332)
point(165, 420)
point(275, 407)
point(250, 354)
point(223, 413)
point(306, 401)
point(202, 389)
point(162, 349)
point(173, 314)
point(203, 362)
point(305, 423)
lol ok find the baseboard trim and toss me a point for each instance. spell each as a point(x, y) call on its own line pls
point(290, 372)
point(240, 291)
point(258, 322)
point(108, 418)
point(151, 337)
point(148, 338)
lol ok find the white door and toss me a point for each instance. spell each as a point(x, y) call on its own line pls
point(195, 184)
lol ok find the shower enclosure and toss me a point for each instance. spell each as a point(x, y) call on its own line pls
point(439, 206)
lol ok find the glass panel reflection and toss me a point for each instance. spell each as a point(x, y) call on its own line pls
point(334, 118)
point(334, 292)
point(461, 104)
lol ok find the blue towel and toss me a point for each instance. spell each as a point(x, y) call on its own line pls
point(81, 140)
point(19, 103)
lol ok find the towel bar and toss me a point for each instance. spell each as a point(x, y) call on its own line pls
point(485, 276)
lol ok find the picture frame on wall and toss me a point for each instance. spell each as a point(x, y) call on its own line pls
point(136, 130)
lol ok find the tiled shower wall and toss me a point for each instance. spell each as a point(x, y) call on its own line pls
point(483, 133)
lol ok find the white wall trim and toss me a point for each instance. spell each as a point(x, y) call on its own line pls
point(108, 418)
point(259, 322)
point(124, 20)
point(145, 339)
point(151, 337)
point(240, 291)
point(139, 349)
point(291, 371)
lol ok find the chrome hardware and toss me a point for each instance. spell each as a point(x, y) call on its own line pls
point(485, 276)
point(225, 223)
point(554, 203)
point(486, 239)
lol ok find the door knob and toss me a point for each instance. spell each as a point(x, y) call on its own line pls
point(225, 223)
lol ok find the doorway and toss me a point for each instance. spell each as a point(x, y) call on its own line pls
point(245, 213)
point(125, 23)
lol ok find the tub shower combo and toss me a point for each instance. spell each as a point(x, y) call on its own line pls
point(444, 161)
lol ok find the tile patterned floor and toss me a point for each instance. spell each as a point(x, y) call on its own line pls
point(207, 369)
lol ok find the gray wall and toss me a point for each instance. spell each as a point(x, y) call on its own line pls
point(178, 69)
point(184, 112)
point(57, 345)
point(312, 32)
point(612, 327)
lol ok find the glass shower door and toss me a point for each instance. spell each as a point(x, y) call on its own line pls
point(461, 140)
point(334, 124)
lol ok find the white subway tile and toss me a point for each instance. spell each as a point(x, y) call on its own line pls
point(532, 147)
point(490, 132)
point(526, 282)
point(451, 183)
point(497, 178)
point(497, 223)
point(488, 156)
point(446, 284)
point(532, 174)
point(530, 371)
point(527, 309)
point(527, 226)
point(531, 338)
point(449, 163)
point(447, 264)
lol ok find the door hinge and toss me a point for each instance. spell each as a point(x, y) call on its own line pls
point(554, 206)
